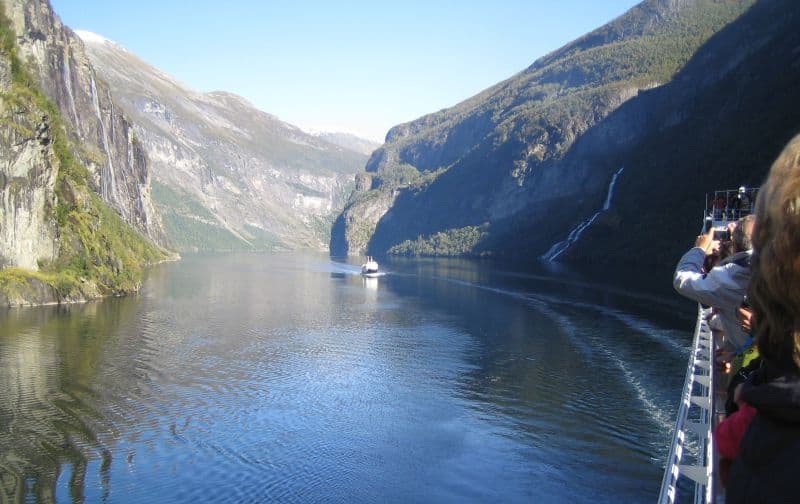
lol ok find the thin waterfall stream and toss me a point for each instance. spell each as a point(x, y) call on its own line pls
point(574, 235)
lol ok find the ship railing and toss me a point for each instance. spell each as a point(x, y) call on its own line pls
point(703, 390)
point(695, 422)
point(731, 204)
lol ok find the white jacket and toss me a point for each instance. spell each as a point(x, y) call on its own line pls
point(723, 288)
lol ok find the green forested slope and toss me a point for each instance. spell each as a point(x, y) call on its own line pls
point(536, 145)
point(718, 125)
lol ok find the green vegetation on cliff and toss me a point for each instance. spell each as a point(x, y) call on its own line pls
point(190, 225)
point(97, 252)
point(507, 153)
point(193, 228)
point(738, 107)
point(642, 48)
point(453, 242)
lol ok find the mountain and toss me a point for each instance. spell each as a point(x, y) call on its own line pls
point(75, 209)
point(227, 176)
point(349, 141)
point(718, 124)
point(515, 169)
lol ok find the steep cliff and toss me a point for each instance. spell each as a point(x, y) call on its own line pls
point(58, 240)
point(227, 175)
point(107, 145)
point(719, 124)
point(469, 177)
point(27, 178)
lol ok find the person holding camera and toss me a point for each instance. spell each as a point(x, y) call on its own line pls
point(724, 285)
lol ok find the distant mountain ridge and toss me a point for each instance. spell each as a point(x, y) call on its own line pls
point(348, 141)
point(513, 170)
point(227, 176)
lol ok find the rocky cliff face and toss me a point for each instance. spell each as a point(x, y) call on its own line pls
point(59, 240)
point(356, 224)
point(226, 175)
point(108, 147)
point(520, 151)
point(28, 169)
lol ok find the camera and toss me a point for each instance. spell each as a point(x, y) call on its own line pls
point(722, 234)
point(745, 302)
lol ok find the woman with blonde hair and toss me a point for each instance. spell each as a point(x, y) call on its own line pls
point(767, 466)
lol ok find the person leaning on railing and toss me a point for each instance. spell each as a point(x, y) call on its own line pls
point(767, 459)
point(724, 285)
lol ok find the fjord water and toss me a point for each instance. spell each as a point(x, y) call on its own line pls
point(250, 378)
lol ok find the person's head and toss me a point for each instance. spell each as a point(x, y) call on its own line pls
point(775, 284)
point(742, 234)
point(726, 249)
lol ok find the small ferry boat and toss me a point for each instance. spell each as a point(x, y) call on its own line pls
point(370, 268)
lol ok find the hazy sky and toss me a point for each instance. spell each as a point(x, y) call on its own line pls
point(354, 66)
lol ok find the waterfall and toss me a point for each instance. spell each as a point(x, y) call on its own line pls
point(104, 190)
point(610, 194)
point(562, 246)
point(70, 93)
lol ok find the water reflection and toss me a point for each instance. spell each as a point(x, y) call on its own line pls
point(563, 366)
point(50, 358)
point(371, 284)
point(293, 378)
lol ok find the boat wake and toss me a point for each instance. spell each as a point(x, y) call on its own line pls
point(596, 351)
point(340, 269)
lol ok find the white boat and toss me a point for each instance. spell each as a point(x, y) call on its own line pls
point(370, 268)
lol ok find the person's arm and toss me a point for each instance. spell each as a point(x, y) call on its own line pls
point(689, 279)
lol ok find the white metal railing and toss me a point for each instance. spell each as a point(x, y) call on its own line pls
point(695, 418)
point(731, 204)
point(696, 414)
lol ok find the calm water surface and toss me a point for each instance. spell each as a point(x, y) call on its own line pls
point(250, 378)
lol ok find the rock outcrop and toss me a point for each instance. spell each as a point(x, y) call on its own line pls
point(28, 170)
point(108, 147)
point(355, 226)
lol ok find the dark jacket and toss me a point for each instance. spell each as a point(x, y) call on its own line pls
point(767, 468)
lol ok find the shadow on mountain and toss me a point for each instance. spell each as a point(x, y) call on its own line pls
point(717, 124)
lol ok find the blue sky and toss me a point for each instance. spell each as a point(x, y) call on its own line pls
point(353, 66)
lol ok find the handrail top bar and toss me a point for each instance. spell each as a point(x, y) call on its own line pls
point(727, 205)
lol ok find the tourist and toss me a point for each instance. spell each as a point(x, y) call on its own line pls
point(723, 286)
point(766, 462)
point(744, 202)
point(719, 206)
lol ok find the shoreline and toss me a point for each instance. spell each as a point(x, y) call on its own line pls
point(43, 293)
